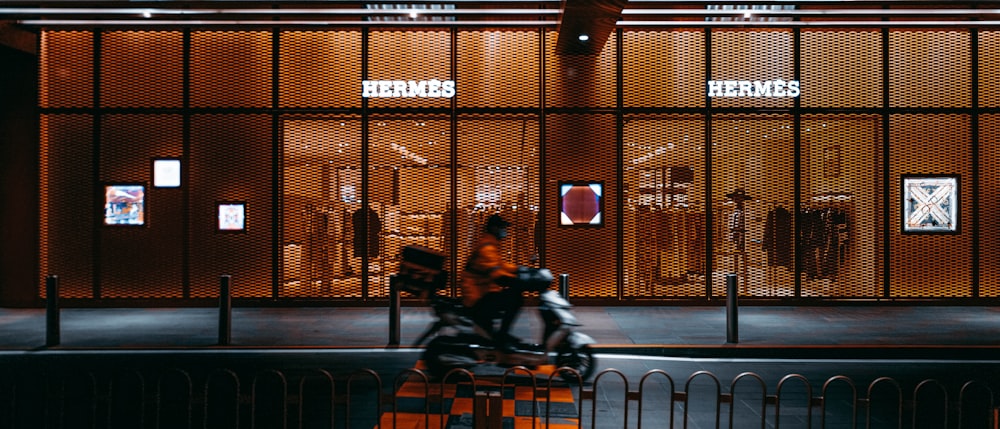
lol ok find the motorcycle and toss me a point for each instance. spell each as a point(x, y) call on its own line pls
point(458, 342)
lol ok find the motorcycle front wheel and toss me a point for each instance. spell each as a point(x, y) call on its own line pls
point(580, 359)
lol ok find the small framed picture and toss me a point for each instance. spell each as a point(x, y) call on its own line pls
point(125, 204)
point(930, 204)
point(581, 204)
point(166, 172)
point(231, 216)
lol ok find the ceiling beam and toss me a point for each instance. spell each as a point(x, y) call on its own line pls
point(594, 19)
point(12, 35)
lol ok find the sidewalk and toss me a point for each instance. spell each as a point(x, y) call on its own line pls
point(765, 331)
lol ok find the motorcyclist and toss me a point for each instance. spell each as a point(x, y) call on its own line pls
point(488, 284)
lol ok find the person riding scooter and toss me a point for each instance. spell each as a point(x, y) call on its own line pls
point(489, 284)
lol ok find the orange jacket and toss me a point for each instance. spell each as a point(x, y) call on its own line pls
point(484, 267)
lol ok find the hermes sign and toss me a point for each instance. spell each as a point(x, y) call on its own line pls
point(777, 88)
point(408, 88)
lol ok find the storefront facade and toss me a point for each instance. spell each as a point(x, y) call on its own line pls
point(816, 163)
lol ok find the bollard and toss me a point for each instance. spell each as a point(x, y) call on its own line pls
point(394, 310)
point(732, 309)
point(52, 311)
point(225, 310)
point(564, 285)
point(487, 410)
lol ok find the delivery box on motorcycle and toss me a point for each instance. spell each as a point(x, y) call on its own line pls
point(421, 271)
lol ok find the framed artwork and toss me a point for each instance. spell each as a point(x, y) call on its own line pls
point(581, 204)
point(930, 204)
point(166, 172)
point(231, 216)
point(124, 204)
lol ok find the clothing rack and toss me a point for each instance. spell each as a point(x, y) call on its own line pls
point(670, 244)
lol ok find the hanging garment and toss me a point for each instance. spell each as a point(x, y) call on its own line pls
point(778, 238)
point(366, 240)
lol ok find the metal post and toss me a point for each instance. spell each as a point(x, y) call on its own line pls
point(394, 310)
point(225, 310)
point(564, 285)
point(52, 311)
point(732, 309)
point(480, 410)
point(487, 410)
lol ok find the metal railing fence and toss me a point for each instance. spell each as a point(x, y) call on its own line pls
point(220, 398)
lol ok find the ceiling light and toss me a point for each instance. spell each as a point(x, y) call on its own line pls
point(584, 37)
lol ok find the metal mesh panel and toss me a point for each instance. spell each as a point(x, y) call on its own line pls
point(664, 214)
point(144, 262)
point(752, 55)
point(321, 183)
point(230, 161)
point(582, 147)
point(409, 189)
point(498, 170)
point(142, 69)
point(498, 69)
point(854, 83)
point(930, 265)
point(929, 69)
point(752, 177)
point(68, 210)
point(989, 69)
point(320, 69)
point(66, 69)
point(664, 68)
point(231, 69)
point(409, 55)
point(840, 234)
point(580, 80)
point(989, 143)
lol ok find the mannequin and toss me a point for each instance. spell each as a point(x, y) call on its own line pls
point(738, 233)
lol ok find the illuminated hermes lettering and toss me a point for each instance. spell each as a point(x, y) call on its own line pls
point(714, 88)
point(746, 88)
point(793, 88)
point(754, 88)
point(731, 88)
point(779, 88)
point(448, 88)
point(385, 88)
point(399, 89)
point(417, 89)
point(369, 88)
point(408, 88)
point(434, 88)
point(762, 89)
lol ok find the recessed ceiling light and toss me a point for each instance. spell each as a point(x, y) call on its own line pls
point(584, 37)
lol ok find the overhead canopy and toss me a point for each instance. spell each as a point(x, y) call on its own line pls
point(584, 25)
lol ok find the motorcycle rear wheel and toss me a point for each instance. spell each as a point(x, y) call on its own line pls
point(580, 359)
point(441, 356)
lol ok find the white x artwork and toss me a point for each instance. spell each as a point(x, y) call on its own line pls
point(930, 204)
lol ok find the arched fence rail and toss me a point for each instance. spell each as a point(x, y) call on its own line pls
point(223, 398)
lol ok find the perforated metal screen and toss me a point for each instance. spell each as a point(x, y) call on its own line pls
point(68, 204)
point(930, 263)
point(664, 215)
point(796, 196)
point(127, 157)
